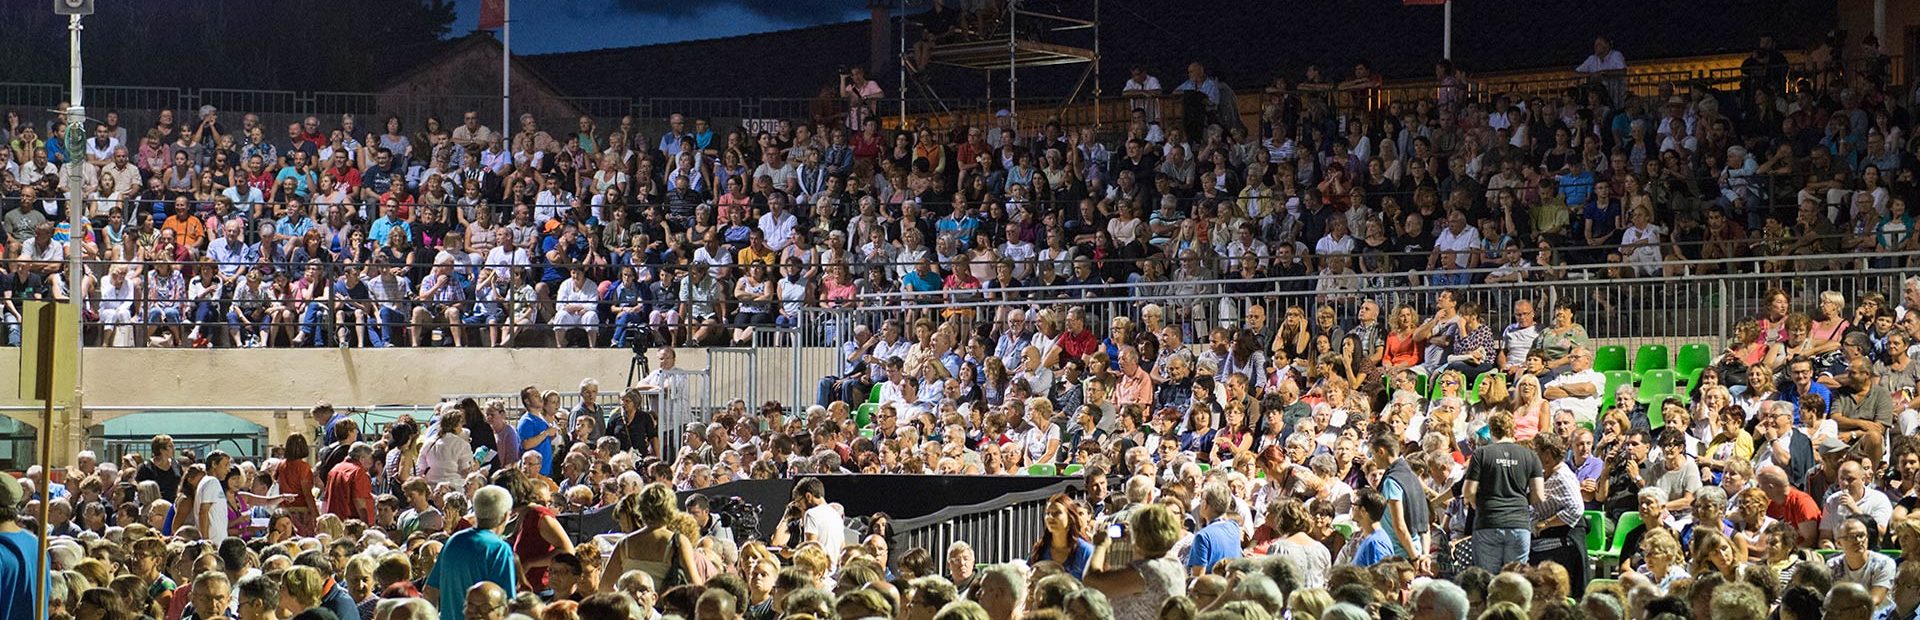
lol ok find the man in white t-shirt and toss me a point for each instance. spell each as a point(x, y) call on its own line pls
point(821, 523)
point(1579, 389)
point(1453, 250)
point(1852, 497)
point(210, 498)
point(1142, 92)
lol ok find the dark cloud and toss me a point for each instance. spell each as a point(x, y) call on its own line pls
point(787, 12)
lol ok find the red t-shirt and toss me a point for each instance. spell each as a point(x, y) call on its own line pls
point(350, 492)
point(1078, 344)
point(1797, 508)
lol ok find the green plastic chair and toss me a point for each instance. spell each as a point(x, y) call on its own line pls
point(1615, 379)
point(1204, 468)
point(1042, 469)
point(1610, 556)
point(874, 395)
point(1596, 531)
point(1651, 357)
point(1689, 381)
point(1072, 470)
point(1345, 529)
point(1419, 383)
point(1657, 386)
point(1692, 357)
point(1612, 357)
point(1655, 419)
point(863, 415)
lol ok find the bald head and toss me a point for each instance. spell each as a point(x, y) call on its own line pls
point(486, 601)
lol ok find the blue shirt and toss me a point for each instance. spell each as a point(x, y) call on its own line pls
point(1217, 541)
point(1792, 396)
point(531, 425)
point(20, 575)
point(1075, 563)
point(1391, 491)
point(469, 557)
point(1377, 547)
point(1577, 188)
point(377, 231)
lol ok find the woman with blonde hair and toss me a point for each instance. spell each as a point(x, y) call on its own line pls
point(1530, 411)
point(652, 545)
point(1137, 589)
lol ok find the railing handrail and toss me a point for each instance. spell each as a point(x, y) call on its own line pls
point(1310, 278)
point(954, 512)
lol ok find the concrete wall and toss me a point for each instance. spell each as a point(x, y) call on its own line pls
point(1903, 27)
point(278, 384)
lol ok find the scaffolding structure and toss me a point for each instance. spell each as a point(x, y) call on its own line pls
point(1019, 39)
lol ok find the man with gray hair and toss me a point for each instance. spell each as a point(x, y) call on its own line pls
point(1002, 591)
point(1439, 600)
point(350, 485)
point(1220, 539)
point(474, 555)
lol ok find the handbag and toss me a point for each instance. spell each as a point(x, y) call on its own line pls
point(677, 574)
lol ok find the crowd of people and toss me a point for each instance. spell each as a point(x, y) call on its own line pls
point(335, 232)
point(1432, 460)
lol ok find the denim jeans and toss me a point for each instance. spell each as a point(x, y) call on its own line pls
point(313, 324)
point(1496, 547)
point(390, 320)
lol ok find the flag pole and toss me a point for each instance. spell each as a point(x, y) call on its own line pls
point(1446, 36)
point(506, 67)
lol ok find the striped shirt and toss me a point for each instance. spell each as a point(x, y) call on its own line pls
point(1562, 498)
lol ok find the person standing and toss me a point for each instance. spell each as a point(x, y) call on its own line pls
point(1503, 480)
point(20, 574)
point(210, 498)
point(350, 487)
point(820, 522)
point(474, 555)
point(160, 467)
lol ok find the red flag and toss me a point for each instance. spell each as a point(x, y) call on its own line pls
point(1423, 2)
point(493, 14)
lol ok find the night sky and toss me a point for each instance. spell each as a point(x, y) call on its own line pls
point(545, 26)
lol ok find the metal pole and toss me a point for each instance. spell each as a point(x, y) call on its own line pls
point(76, 233)
point(1013, 63)
point(506, 68)
point(901, 62)
point(1096, 66)
point(1446, 37)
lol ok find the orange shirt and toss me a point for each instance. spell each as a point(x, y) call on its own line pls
point(190, 231)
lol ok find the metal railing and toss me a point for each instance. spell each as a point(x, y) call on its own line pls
point(1000, 530)
point(1657, 309)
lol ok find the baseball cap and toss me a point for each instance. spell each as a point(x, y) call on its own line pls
point(11, 493)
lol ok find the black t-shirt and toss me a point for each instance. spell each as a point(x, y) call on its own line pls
point(1414, 250)
point(1505, 472)
point(168, 479)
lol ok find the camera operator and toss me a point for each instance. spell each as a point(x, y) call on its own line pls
point(710, 524)
point(1623, 478)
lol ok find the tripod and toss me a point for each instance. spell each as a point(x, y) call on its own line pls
point(638, 367)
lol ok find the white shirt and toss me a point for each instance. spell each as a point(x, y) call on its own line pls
point(213, 499)
point(55, 251)
point(778, 229)
point(1457, 248)
point(1595, 64)
point(503, 260)
point(1584, 409)
point(827, 526)
point(1873, 503)
point(445, 459)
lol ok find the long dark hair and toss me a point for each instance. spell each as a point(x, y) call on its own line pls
point(1076, 527)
